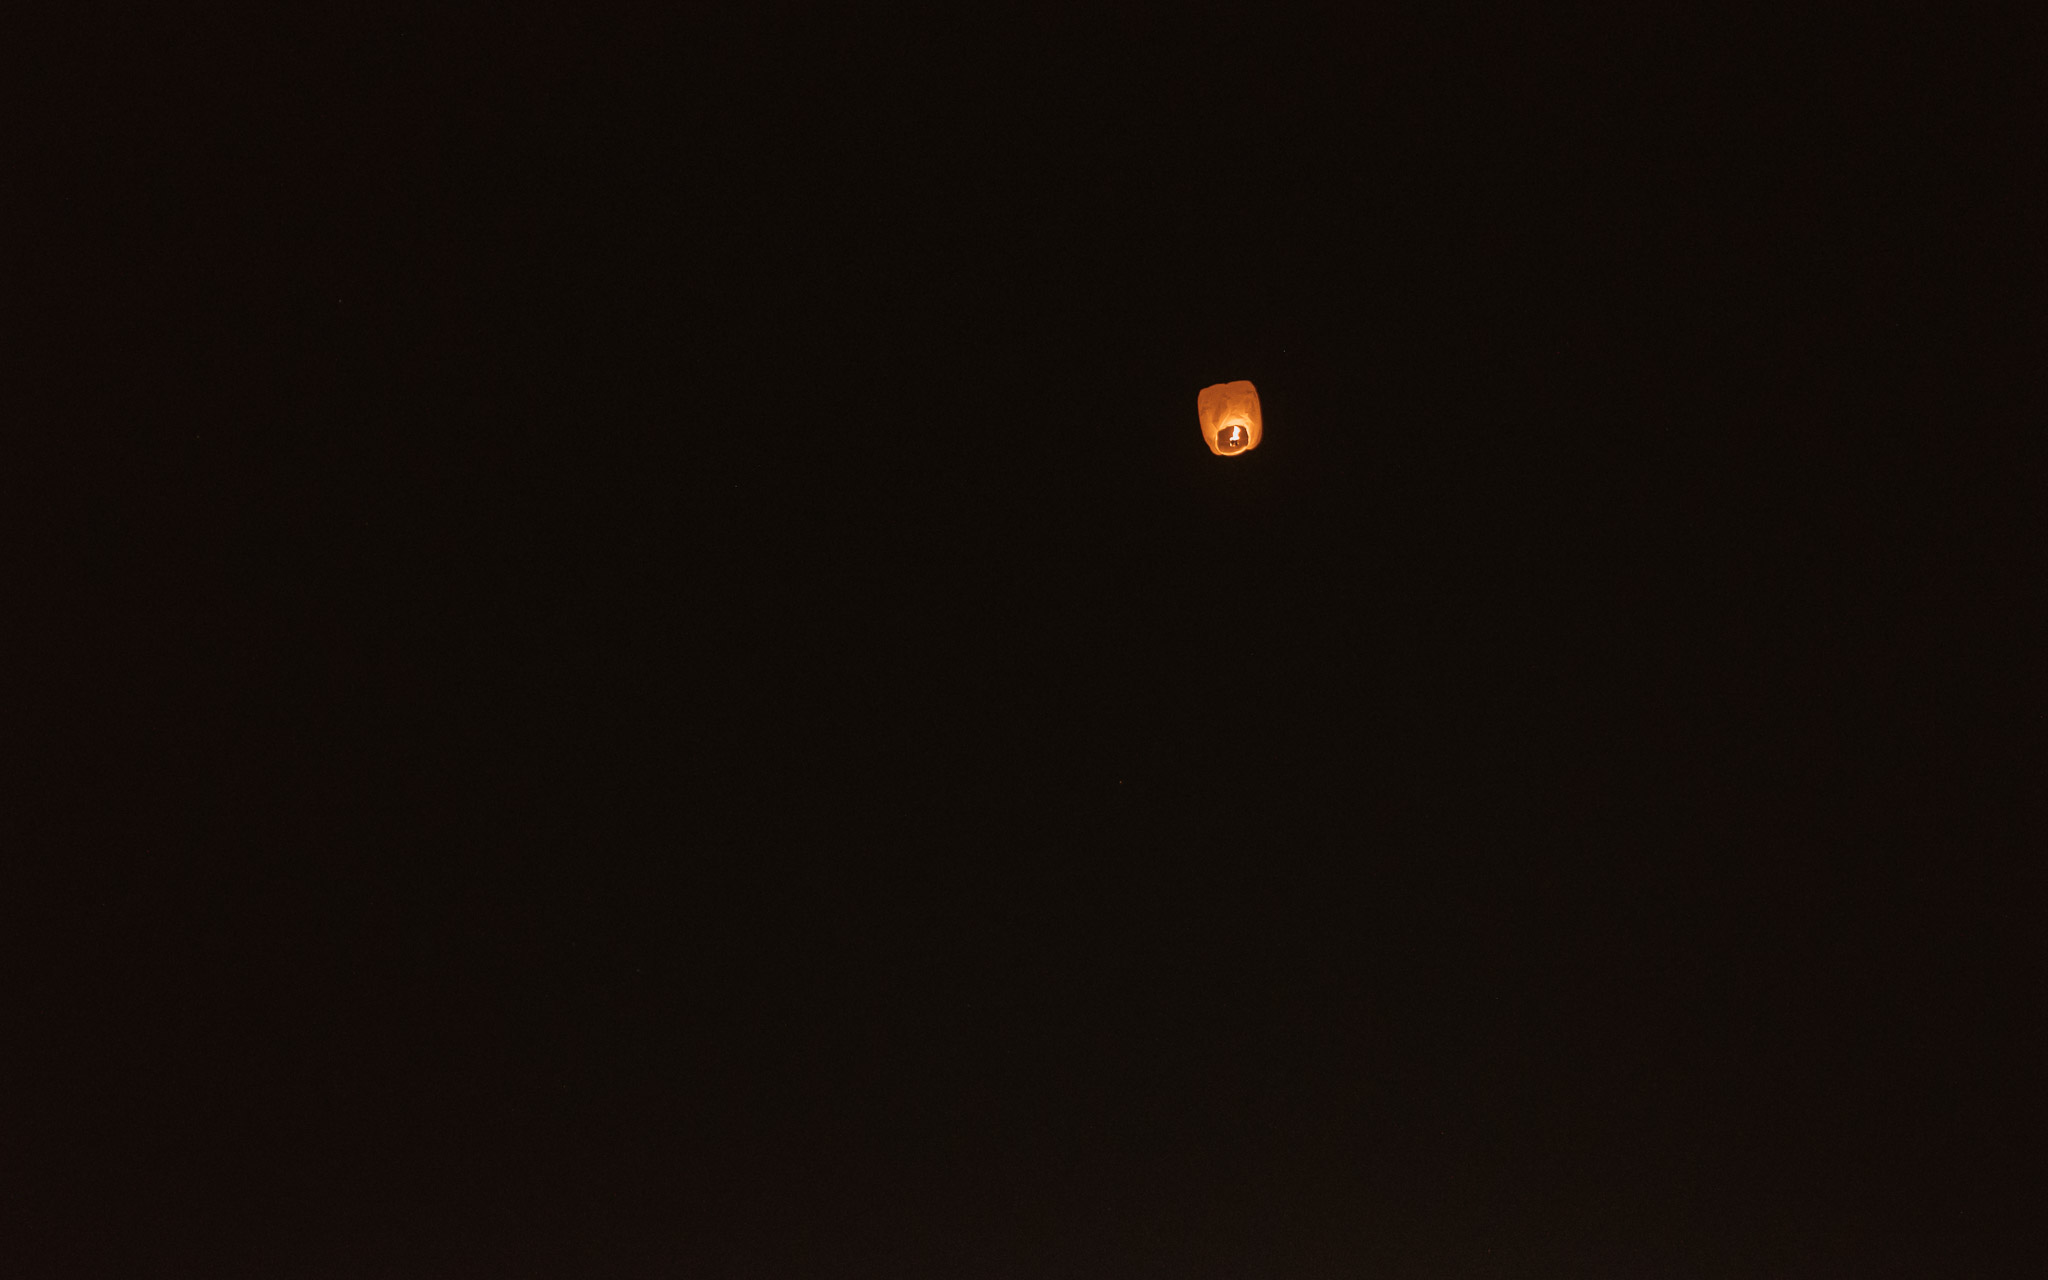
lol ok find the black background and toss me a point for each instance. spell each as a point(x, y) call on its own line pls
point(655, 680)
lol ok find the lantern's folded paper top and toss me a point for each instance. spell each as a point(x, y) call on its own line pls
point(1230, 417)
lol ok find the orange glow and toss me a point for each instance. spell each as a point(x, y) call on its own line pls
point(1230, 417)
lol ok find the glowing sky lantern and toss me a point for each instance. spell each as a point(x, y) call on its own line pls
point(1230, 417)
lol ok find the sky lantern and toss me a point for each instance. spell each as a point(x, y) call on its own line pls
point(1230, 417)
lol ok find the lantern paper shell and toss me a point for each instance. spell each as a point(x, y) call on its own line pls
point(1230, 417)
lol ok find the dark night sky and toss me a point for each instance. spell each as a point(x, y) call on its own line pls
point(656, 680)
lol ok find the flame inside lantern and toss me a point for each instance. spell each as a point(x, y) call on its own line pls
point(1230, 417)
